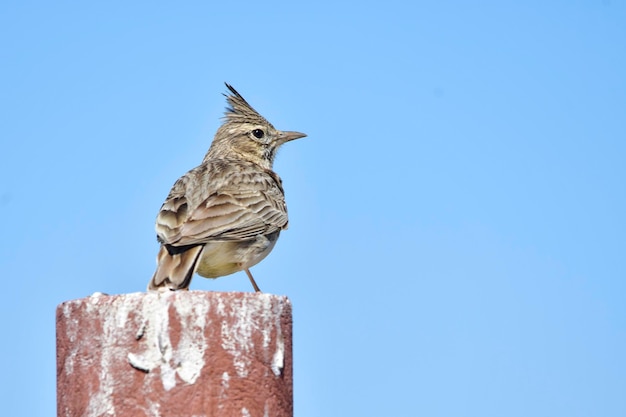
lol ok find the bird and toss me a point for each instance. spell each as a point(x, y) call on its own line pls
point(226, 214)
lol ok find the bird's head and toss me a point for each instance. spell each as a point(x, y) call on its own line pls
point(247, 135)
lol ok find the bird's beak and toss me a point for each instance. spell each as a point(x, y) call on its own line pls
point(287, 136)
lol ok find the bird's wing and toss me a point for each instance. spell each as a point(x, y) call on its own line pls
point(212, 203)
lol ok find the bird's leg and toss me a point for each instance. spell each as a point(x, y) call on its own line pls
point(256, 287)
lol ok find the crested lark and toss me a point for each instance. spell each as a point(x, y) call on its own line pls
point(225, 215)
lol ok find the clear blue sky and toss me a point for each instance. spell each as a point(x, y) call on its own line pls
point(457, 240)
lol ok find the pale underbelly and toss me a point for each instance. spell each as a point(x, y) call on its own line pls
point(221, 258)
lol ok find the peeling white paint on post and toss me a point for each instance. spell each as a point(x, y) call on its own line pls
point(237, 328)
point(132, 354)
point(186, 360)
point(278, 360)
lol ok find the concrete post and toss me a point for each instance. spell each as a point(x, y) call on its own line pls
point(175, 354)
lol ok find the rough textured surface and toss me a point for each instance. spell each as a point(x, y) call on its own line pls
point(184, 353)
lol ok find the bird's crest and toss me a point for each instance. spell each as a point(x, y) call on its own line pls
point(239, 110)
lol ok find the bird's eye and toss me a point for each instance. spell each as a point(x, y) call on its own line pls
point(258, 133)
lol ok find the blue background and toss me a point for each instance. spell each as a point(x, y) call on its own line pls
point(457, 213)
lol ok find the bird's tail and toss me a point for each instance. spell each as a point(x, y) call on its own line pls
point(175, 267)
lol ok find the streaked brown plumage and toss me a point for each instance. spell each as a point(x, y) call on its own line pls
point(226, 214)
